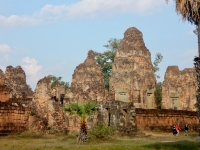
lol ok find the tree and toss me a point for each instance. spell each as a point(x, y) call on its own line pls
point(157, 60)
point(158, 94)
point(57, 81)
point(82, 110)
point(106, 59)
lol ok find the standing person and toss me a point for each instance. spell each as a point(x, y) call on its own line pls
point(174, 130)
point(178, 128)
point(186, 130)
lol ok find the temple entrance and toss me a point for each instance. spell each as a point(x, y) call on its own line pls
point(108, 116)
point(149, 98)
point(174, 101)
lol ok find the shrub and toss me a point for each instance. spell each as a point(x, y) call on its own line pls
point(102, 131)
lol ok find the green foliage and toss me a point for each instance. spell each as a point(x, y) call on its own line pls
point(106, 59)
point(81, 109)
point(57, 81)
point(32, 113)
point(158, 94)
point(102, 131)
point(157, 60)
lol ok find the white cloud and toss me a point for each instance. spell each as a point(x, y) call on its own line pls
point(32, 70)
point(4, 48)
point(83, 8)
point(15, 20)
point(30, 65)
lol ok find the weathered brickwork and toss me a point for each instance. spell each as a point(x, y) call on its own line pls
point(133, 78)
point(87, 82)
point(117, 114)
point(48, 113)
point(163, 119)
point(179, 89)
point(14, 115)
point(15, 80)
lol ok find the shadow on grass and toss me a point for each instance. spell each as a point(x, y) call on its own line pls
point(179, 145)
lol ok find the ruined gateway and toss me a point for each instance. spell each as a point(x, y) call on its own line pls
point(129, 105)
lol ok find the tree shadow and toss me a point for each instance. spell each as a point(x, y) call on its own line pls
point(170, 145)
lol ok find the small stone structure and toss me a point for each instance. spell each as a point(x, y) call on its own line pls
point(58, 93)
point(164, 119)
point(133, 78)
point(47, 113)
point(119, 115)
point(87, 82)
point(179, 89)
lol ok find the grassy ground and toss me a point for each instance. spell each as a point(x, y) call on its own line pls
point(149, 141)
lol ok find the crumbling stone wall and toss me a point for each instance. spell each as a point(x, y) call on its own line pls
point(58, 93)
point(14, 116)
point(15, 80)
point(118, 114)
point(47, 113)
point(179, 89)
point(164, 119)
point(87, 82)
point(133, 78)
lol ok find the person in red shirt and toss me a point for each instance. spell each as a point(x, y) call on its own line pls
point(177, 128)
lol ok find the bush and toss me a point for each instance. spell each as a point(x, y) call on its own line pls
point(102, 131)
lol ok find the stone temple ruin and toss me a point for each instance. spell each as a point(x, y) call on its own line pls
point(129, 105)
point(47, 112)
point(87, 82)
point(179, 89)
point(133, 78)
point(15, 98)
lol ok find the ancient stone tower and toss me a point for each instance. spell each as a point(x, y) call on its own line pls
point(179, 89)
point(87, 81)
point(133, 78)
point(15, 99)
point(13, 84)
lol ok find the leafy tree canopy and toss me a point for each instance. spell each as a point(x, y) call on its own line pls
point(157, 60)
point(57, 81)
point(106, 59)
point(81, 109)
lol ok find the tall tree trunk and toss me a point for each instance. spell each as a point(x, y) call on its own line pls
point(198, 39)
point(198, 99)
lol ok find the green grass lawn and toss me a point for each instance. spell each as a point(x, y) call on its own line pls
point(150, 141)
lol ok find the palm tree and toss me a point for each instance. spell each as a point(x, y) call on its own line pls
point(82, 110)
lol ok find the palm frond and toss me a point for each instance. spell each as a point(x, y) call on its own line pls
point(189, 9)
point(81, 109)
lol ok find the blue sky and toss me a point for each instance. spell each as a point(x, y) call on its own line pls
point(53, 37)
